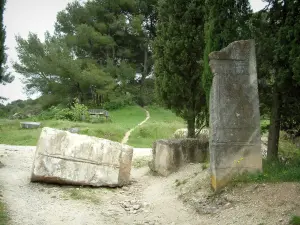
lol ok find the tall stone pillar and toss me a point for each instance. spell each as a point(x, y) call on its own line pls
point(234, 113)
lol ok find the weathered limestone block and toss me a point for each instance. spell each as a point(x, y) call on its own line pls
point(235, 144)
point(170, 155)
point(66, 158)
point(30, 125)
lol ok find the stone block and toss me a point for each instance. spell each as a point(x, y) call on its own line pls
point(66, 158)
point(30, 125)
point(235, 139)
point(170, 155)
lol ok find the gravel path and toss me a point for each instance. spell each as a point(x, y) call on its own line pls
point(143, 202)
point(148, 200)
point(126, 137)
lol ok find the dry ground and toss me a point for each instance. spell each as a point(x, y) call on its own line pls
point(182, 198)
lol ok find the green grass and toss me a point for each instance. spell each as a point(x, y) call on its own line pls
point(3, 214)
point(273, 172)
point(162, 124)
point(121, 121)
point(141, 162)
point(86, 194)
point(295, 220)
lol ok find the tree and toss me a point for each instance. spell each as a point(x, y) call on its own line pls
point(178, 47)
point(52, 69)
point(117, 35)
point(5, 76)
point(2, 39)
point(225, 21)
point(278, 67)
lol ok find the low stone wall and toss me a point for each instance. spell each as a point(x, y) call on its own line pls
point(170, 155)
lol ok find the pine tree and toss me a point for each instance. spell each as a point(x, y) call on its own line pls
point(178, 46)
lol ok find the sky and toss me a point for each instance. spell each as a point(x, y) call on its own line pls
point(37, 16)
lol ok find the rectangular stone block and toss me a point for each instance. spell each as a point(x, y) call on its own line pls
point(170, 155)
point(235, 144)
point(66, 158)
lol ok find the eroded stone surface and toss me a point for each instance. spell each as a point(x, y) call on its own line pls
point(66, 158)
point(235, 144)
point(170, 155)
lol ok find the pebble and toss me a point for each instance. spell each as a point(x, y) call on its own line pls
point(125, 188)
point(136, 207)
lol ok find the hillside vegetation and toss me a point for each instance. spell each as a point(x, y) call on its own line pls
point(162, 124)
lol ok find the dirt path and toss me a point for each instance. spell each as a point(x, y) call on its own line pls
point(148, 200)
point(34, 203)
point(126, 137)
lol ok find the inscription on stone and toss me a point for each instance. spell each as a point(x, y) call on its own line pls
point(234, 113)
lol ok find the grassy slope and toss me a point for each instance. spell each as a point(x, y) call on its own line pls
point(122, 120)
point(162, 124)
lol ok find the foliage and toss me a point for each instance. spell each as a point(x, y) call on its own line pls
point(295, 220)
point(5, 76)
point(224, 23)
point(178, 47)
point(2, 39)
point(277, 64)
point(4, 219)
point(285, 170)
point(98, 49)
point(80, 112)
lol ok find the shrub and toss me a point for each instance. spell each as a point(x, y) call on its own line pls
point(80, 112)
point(118, 103)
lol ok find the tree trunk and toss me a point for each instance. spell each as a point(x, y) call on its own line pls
point(274, 128)
point(144, 74)
point(191, 127)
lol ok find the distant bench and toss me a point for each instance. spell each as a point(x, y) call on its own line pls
point(98, 112)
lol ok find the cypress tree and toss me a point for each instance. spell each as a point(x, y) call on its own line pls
point(225, 21)
point(178, 46)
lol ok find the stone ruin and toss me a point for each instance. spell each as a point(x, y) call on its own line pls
point(235, 139)
point(170, 155)
point(66, 158)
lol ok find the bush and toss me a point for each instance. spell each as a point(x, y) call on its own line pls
point(80, 112)
point(118, 103)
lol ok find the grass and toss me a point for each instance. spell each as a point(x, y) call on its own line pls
point(162, 124)
point(3, 214)
point(295, 220)
point(273, 172)
point(86, 194)
point(141, 162)
point(121, 121)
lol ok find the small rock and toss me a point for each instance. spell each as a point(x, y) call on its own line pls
point(53, 196)
point(281, 220)
point(133, 201)
point(134, 211)
point(125, 188)
point(136, 207)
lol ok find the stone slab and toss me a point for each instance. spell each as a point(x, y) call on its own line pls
point(235, 139)
point(66, 158)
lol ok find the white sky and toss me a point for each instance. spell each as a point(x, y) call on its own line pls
point(37, 16)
